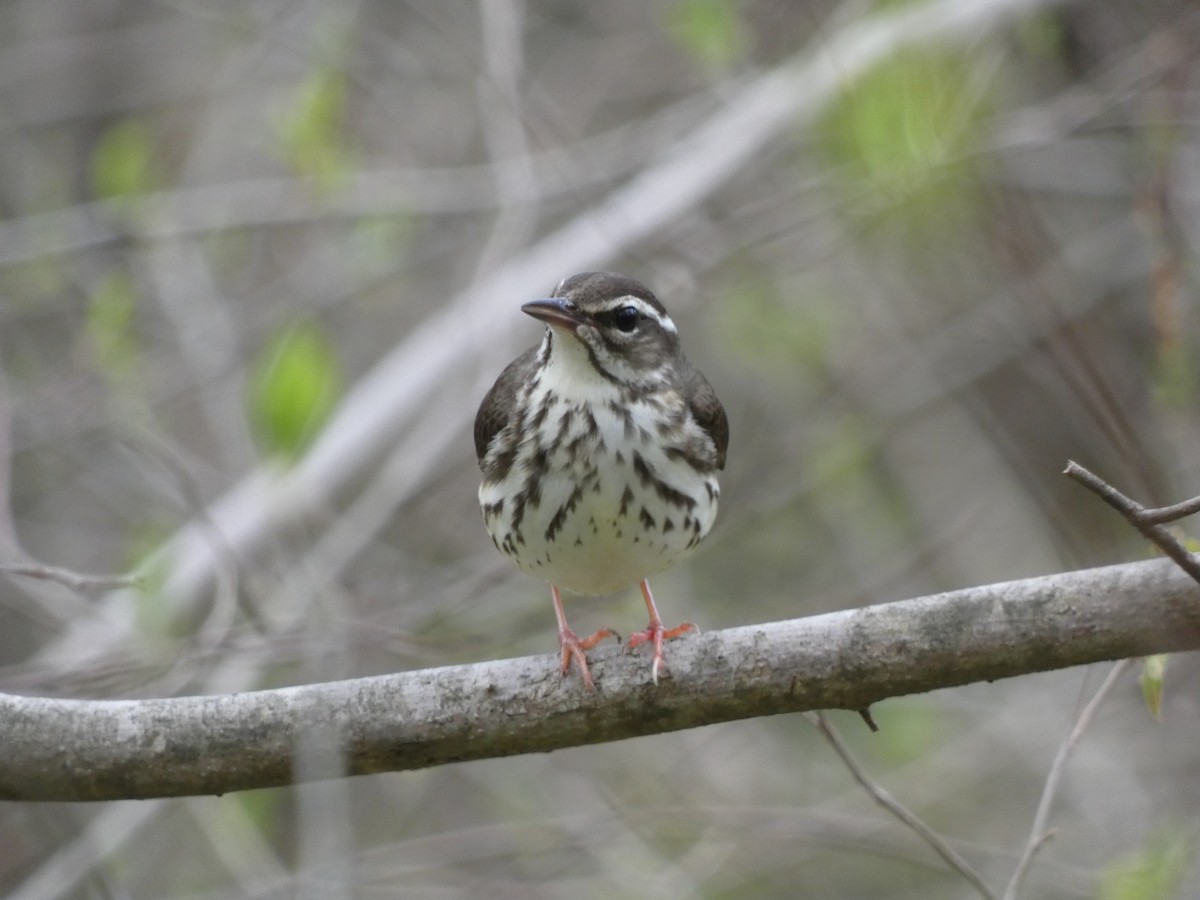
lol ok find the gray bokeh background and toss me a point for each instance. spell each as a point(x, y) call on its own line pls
point(919, 286)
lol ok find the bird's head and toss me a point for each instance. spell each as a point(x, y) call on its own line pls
point(610, 321)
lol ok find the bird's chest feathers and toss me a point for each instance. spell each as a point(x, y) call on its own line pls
point(601, 501)
point(588, 432)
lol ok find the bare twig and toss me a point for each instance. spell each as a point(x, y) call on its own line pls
point(869, 719)
point(881, 796)
point(1038, 834)
point(1170, 513)
point(100, 750)
point(1144, 520)
point(1131, 509)
point(75, 580)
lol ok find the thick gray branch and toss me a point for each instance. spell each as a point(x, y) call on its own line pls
point(102, 750)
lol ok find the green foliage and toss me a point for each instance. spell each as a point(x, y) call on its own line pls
point(1154, 669)
point(109, 328)
point(1152, 873)
point(908, 730)
point(853, 482)
point(295, 384)
point(904, 133)
point(1175, 380)
point(709, 30)
point(311, 129)
point(123, 161)
point(843, 455)
point(261, 808)
point(772, 332)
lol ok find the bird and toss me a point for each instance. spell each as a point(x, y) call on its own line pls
point(599, 449)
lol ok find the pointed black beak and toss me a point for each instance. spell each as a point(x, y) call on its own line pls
point(555, 311)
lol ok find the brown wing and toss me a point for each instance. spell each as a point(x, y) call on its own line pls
point(497, 406)
point(708, 412)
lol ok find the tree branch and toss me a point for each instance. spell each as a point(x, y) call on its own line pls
point(100, 750)
point(1146, 521)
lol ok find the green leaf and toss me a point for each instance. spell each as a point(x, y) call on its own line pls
point(295, 384)
point(1152, 873)
point(312, 129)
point(123, 161)
point(902, 136)
point(1153, 670)
point(710, 30)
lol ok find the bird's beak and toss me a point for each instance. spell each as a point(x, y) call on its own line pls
point(555, 311)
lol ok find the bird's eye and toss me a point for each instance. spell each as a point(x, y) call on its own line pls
point(626, 318)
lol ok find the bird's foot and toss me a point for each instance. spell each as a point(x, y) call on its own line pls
point(655, 634)
point(573, 649)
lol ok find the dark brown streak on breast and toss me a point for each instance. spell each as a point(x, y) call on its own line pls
point(665, 492)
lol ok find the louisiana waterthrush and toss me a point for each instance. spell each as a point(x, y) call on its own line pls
point(600, 449)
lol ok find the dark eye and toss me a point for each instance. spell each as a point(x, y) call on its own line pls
point(626, 318)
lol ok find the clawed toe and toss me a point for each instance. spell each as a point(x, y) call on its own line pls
point(655, 634)
point(573, 651)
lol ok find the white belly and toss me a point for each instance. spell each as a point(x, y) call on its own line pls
point(612, 506)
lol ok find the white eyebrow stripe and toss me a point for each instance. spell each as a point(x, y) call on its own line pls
point(644, 308)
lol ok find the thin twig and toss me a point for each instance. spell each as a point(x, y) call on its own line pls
point(897, 809)
point(75, 580)
point(1139, 517)
point(1038, 835)
point(1171, 513)
point(1134, 511)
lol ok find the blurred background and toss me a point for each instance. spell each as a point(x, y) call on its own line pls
point(260, 261)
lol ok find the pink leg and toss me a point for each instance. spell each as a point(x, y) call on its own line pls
point(571, 647)
point(655, 633)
